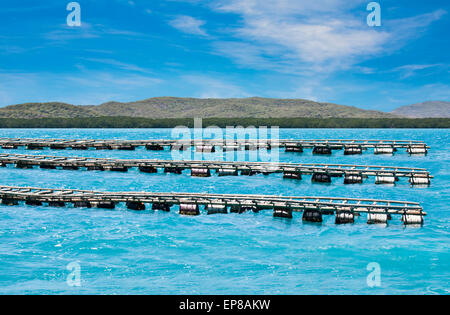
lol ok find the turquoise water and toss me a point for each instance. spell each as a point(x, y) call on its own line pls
point(121, 251)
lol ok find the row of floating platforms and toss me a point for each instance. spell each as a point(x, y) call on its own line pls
point(319, 146)
point(322, 173)
point(313, 208)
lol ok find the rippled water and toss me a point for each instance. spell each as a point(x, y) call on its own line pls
point(121, 251)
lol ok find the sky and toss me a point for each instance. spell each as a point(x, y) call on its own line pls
point(322, 50)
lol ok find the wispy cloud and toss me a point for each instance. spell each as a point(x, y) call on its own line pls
point(410, 70)
point(118, 64)
point(189, 25)
point(113, 81)
point(311, 36)
point(89, 31)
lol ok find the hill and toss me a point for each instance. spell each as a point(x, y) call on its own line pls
point(432, 109)
point(173, 107)
point(45, 110)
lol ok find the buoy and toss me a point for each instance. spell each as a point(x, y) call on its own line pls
point(312, 215)
point(95, 168)
point(173, 170)
point(264, 207)
point(417, 179)
point(417, 150)
point(268, 171)
point(200, 172)
point(282, 213)
point(126, 147)
point(322, 150)
point(154, 147)
point(106, 205)
point(161, 206)
point(34, 147)
point(33, 202)
point(296, 147)
point(385, 178)
point(82, 204)
point(411, 219)
point(352, 150)
point(57, 147)
point(250, 147)
point(23, 165)
point(231, 148)
point(47, 166)
point(103, 147)
point(321, 177)
point(216, 209)
point(178, 147)
point(227, 172)
point(243, 208)
point(119, 169)
point(189, 209)
point(377, 218)
point(9, 202)
point(384, 150)
point(292, 175)
point(148, 169)
point(249, 172)
point(135, 205)
point(205, 148)
point(327, 210)
point(353, 178)
point(79, 147)
point(9, 146)
point(70, 167)
point(57, 204)
point(344, 216)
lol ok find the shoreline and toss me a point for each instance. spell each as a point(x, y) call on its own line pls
point(287, 123)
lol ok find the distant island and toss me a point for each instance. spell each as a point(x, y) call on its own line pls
point(173, 111)
point(432, 109)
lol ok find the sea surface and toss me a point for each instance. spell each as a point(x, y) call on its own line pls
point(125, 252)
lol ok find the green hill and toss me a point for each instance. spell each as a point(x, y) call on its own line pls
point(45, 110)
point(173, 107)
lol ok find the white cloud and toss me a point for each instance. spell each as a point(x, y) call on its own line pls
point(316, 42)
point(189, 25)
point(312, 36)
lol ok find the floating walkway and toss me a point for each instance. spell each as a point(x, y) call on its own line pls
point(319, 146)
point(353, 174)
point(313, 208)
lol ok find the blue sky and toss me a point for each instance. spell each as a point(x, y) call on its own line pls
point(131, 50)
